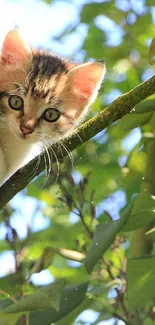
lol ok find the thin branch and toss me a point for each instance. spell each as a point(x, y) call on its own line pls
point(121, 106)
point(8, 295)
point(119, 294)
point(116, 315)
point(76, 206)
point(23, 320)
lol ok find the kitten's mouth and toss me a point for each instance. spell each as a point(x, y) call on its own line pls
point(23, 137)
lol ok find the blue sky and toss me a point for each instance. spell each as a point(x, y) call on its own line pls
point(40, 22)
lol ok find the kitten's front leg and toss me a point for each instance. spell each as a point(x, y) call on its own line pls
point(3, 171)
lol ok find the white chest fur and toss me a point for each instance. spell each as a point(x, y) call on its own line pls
point(14, 154)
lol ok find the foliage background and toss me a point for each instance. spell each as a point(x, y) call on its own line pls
point(93, 185)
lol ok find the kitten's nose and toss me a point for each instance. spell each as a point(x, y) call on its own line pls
point(26, 130)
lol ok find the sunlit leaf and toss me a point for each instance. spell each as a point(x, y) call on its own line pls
point(145, 106)
point(131, 121)
point(151, 55)
point(140, 277)
point(150, 3)
point(142, 213)
point(103, 238)
point(7, 319)
point(90, 11)
point(48, 2)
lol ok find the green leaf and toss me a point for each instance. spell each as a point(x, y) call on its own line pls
point(142, 213)
point(9, 283)
point(148, 321)
point(70, 318)
point(141, 279)
point(48, 2)
point(145, 106)
point(132, 120)
point(44, 261)
point(103, 237)
point(43, 298)
point(90, 11)
point(150, 3)
point(6, 319)
point(96, 37)
point(151, 55)
point(72, 297)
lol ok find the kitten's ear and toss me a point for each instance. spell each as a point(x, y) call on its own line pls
point(85, 81)
point(15, 49)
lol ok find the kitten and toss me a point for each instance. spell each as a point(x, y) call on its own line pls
point(42, 99)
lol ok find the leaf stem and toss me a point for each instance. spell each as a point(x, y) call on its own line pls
point(69, 254)
point(8, 295)
point(119, 294)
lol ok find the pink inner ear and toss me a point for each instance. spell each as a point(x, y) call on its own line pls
point(85, 85)
point(86, 79)
point(15, 49)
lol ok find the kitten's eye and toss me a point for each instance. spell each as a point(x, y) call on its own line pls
point(51, 115)
point(16, 102)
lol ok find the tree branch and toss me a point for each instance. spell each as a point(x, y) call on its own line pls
point(121, 106)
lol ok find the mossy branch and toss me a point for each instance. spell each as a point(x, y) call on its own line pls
point(121, 106)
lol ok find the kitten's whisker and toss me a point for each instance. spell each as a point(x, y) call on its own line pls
point(69, 153)
point(60, 150)
point(57, 163)
point(48, 166)
point(53, 152)
point(48, 169)
point(78, 136)
point(34, 170)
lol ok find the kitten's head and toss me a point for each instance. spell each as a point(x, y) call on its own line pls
point(42, 95)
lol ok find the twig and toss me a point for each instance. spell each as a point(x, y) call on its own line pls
point(23, 320)
point(79, 209)
point(8, 295)
point(119, 294)
point(121, 318)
